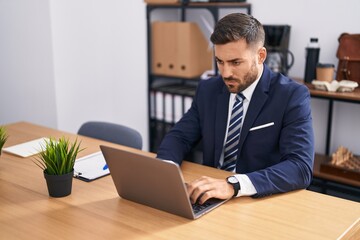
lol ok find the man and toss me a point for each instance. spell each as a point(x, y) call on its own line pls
point(267, 140)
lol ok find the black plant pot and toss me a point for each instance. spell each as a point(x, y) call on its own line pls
point(59, 185)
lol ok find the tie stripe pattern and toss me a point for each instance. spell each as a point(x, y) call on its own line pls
point(232, 140)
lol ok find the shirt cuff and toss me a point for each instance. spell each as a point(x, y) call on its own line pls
point(246, 186)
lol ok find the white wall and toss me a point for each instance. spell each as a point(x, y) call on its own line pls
point(65, 62)
point(100, 62)
point(27, 89)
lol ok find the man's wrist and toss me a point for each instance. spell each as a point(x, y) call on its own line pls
point(234, 182)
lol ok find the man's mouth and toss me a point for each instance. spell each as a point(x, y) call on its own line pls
point(230, 81)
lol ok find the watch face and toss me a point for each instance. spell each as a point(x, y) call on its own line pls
point(232, 179)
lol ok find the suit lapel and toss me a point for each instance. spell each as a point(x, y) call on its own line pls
point(257, 102)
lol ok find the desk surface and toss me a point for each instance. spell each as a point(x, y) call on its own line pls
point(94, 210)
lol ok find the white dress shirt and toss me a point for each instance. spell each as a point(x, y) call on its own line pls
point(247, 188)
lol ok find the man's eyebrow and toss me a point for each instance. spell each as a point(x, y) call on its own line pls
point(231, 60)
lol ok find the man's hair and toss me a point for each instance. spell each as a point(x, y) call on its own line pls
point(236, 26)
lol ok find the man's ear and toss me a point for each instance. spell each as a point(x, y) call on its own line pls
point(262, 53)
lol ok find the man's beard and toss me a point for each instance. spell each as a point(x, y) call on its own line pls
point(248, 79)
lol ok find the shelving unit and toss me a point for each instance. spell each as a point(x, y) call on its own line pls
point(175, 94)
point(324, 182)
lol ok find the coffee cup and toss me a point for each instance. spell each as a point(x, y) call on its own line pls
point(325, 72)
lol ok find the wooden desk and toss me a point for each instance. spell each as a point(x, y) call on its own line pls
point(94, 210)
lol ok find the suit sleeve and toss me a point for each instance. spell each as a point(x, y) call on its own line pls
point(179, 141)
point(296, 146)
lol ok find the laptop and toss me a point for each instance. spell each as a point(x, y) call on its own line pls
point(153, 182)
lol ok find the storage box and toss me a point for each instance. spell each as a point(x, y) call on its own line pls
point(179, 49)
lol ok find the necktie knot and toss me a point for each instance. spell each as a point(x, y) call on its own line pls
point(240, 97)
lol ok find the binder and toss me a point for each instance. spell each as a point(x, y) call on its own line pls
point(178, 103)
point(168, 108)
point(168, 103)
point(152, 105)
point(159, 113)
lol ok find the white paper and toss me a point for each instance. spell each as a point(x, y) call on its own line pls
point(27, 149)
point(90, 167)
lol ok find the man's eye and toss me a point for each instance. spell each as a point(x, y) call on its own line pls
point(236, 63)
point(219, 61)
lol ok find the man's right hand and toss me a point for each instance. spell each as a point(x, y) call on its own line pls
point(204, 188)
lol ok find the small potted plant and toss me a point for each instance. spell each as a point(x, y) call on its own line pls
point(3, 137)
point(57, 159)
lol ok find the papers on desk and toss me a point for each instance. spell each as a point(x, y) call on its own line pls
point(91, 167)
point(27, 149)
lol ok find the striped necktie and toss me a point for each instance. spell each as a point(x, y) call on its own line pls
point(232, 140)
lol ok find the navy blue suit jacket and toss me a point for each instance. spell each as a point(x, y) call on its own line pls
point(278, 158)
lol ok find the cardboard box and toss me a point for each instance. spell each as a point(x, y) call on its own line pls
point(179, 49)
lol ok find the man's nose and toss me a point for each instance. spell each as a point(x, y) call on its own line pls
point(226, 71)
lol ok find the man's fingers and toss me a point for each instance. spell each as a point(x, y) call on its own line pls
point(204, 188)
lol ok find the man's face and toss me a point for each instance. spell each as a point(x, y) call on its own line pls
point(239, 65)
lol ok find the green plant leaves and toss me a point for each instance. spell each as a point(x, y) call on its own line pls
point(58, 156)
point(3, 137)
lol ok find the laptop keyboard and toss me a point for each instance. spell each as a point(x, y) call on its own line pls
point(199, 207)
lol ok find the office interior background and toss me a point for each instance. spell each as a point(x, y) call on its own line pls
point(66, 62)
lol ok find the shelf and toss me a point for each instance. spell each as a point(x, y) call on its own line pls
point(201, 5)
point(319, 159)
point(196, 79)
point(335, 184)
point(353, 97)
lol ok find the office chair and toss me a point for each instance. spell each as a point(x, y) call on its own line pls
point(112, 132)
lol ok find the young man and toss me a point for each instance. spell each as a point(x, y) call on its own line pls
point(252, 121)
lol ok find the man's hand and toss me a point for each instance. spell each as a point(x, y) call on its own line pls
point(205, 188)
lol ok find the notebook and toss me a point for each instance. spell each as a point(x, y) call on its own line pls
point(27, 149)
point(153, 182)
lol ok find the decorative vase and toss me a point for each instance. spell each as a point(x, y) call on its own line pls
point(59, 185)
